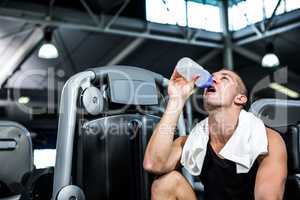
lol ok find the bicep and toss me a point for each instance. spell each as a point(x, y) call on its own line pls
point(272, 171)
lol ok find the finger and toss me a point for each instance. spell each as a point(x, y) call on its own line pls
point(180, 80)
point(193, 81)
point(175, 75)
point(195, 77)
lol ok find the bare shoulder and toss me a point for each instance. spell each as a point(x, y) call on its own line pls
point(275, 140)
point(276, 146)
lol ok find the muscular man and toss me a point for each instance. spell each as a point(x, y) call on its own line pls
point(264, 181)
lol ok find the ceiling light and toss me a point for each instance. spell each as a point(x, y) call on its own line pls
point(48, 50)
point(284, 90)
point(23, 100)
point(270, 59)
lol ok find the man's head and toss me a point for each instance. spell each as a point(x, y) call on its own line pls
point(228, 90)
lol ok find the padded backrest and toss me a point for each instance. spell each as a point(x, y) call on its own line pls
point(109, 156)
point(15, 154)
point(292, 141)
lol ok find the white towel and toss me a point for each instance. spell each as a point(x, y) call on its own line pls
point(248, 141)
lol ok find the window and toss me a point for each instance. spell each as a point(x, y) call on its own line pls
point(252, 11)
point(166, 11)
point(44, 158)
point(270, 5)
point(200, 15)
point(207, 17)
point(203, 16)
point(292, 5)
point(245, 13)
point(237, 18)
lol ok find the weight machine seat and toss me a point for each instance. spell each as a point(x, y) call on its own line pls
point(16, 158)
point(292, 141)
point(106, 163)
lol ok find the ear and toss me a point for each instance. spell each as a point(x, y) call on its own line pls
point(240, 99)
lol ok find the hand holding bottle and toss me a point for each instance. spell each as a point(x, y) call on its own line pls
point(187, 74)
point(179, 88)
point(188, 68)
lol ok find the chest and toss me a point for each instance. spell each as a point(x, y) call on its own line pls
point(222, 171)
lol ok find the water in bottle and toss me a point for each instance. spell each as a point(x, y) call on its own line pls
point(188, 68)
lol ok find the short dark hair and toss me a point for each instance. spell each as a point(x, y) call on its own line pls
point(241, 87)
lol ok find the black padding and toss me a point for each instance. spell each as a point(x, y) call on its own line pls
point(109, 157)
point(5, 191)
point(292, 188)
point(292, 141)
point(38, 184)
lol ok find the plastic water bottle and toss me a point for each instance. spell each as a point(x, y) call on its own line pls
point(188, 68)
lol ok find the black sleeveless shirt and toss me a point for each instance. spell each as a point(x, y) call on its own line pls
point(221, 182)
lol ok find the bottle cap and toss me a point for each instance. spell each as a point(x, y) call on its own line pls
point(207, 84)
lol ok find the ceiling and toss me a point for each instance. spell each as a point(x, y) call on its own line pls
point(216, 2)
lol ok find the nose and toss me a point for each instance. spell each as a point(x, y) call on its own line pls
point(215, 79)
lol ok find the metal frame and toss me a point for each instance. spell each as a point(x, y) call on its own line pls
point(115, 17)
point(66, 129)
point(209, 56)
point(281, 110)
point(279, 21)
point(90, 12)
point(121, 25)
point(247, 54)
point(126, 51)
point(227, 54)
point(269, 33)
point(270, 21)
point(257, 106)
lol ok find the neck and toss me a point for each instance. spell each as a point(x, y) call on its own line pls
point(222, 123)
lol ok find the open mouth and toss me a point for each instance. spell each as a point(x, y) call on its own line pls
point(211, 89)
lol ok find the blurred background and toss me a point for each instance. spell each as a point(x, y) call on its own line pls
point(43, 43)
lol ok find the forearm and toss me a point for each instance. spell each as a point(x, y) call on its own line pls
point(160, 145)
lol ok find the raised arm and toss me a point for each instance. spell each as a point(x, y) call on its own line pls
point(163, 153)
point(272, 171)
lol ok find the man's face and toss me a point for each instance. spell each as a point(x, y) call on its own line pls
point(223, 91)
